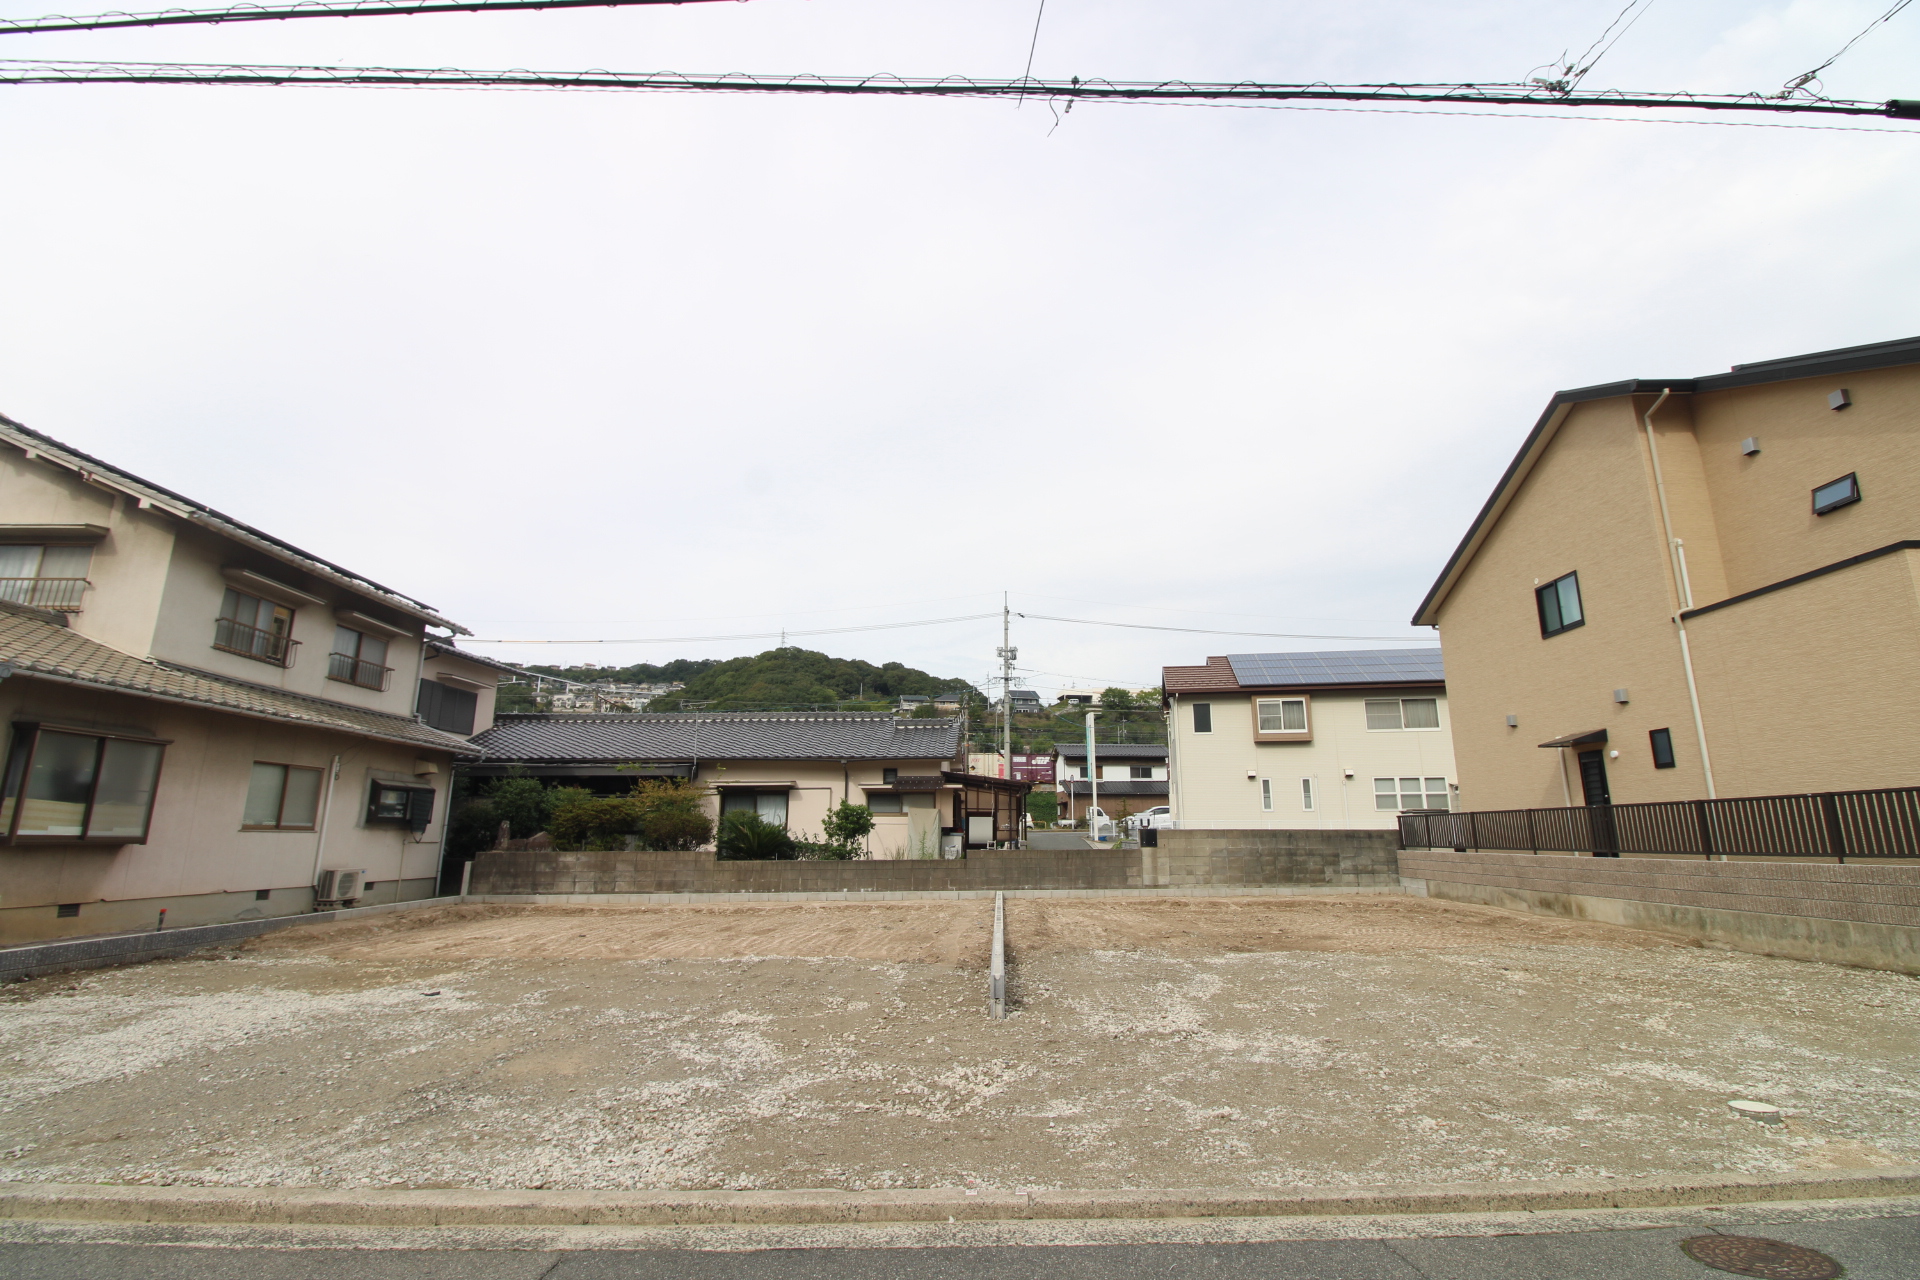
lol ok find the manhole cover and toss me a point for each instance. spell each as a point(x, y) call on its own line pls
point(1766, 1259)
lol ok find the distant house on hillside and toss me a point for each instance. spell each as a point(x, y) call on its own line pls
point(791, 769)
point(1025, 703)
point(1304, 740)
point(912, 702)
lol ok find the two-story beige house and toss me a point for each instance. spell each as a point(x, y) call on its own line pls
point(1297, 741)
point(201, 718)
point(1699, 587)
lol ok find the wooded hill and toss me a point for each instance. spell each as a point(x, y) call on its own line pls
point(779, 679)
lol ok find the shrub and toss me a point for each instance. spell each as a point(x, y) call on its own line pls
point(1043, 807)
point(522, 803)
point(845, 832)
point(672, 815)
point(597, 822)
point(745, 835)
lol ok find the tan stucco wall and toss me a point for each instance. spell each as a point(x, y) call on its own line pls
point(195, 846)
point(1589, 506)
point(129, 566)
point(1815, 687)
point(194, 589)
point(1211, 790)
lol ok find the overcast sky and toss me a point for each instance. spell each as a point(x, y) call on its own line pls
point(605, 365)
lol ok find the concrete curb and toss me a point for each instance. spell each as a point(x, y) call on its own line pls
point(445, 1208)
point(64, 955)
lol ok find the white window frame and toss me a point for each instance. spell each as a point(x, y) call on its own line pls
point(1259, 716)
point(1266, 795)
point(1306, 794)
point(1399, 706)
point(1400, 794)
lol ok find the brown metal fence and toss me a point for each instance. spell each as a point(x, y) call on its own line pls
point(1827, 824)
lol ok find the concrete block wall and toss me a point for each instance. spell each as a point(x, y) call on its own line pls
point(1341, 859)
point(1185, 859)
point(1866, 914)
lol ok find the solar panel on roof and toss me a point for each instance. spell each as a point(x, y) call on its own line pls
point(1349, 666)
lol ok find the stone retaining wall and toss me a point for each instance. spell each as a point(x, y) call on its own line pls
point(1343, 859)
point(1865, 914)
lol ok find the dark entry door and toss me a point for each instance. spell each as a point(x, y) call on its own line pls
point(1593, 777)
point(1593, 786)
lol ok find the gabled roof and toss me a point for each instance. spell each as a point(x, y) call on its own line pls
point(148, 494)
point(1114, 750)
point(447, 649)
point(677, 736)
point(39, 649)
point(1875, 355)
point(1314, 669)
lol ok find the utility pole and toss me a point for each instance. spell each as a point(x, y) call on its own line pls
point(1093, 779)
point(1007, 654)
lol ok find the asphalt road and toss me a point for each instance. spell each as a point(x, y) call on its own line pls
point(1869, 1249)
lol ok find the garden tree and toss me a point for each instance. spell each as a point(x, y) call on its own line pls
point(846, 829)
point(664, 814)
point(1117, 699)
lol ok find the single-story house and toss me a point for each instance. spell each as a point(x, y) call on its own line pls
point(789, 768)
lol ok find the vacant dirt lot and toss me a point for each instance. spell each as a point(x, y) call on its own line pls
point(1155, 1043)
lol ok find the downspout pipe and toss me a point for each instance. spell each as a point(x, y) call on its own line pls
point(1682, 593)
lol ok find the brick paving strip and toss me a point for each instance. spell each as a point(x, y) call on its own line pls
point(442, 1208)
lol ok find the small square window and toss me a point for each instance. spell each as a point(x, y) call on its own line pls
point(1835, 494)
point(1662, 741)
point(1559, 605)
point(1203, 717)
point(262, 895)
point(889, 776)
point(1383, 713)
point(1421, 713)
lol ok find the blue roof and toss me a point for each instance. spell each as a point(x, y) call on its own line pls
point(1347, 666)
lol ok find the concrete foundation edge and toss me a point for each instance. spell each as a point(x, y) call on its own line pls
point(441, 1208)
point(1895, 948)
point(37, 959)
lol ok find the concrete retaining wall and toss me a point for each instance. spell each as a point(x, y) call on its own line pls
point(17, 963)
point(1866, 914)
point(1344, 859)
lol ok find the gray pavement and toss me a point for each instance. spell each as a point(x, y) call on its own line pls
point(1883, 1248)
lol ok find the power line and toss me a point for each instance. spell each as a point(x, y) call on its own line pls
point(319, 9)
point(1802, 81)
point(18, 71)
point(1212, 631)
point(759, 635)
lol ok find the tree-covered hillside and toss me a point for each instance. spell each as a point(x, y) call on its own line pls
point(794, 677)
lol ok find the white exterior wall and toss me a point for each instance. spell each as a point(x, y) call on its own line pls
point(1211, 789)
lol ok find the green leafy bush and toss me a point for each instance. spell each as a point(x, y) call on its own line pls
point(745, 835)
point(672, 814)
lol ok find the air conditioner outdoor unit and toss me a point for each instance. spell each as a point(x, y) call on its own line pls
point(339, 886)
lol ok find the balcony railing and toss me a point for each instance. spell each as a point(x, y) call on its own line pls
point(1826, 824)
point(62, 595)
point(230, 636)
point(352, 670)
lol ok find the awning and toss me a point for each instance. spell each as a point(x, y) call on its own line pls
point(1591, 738)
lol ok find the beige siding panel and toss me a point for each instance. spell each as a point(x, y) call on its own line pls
point(1588, 507)
point(1815, 687)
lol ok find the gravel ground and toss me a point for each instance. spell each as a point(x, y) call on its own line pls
point(1175, 1042)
